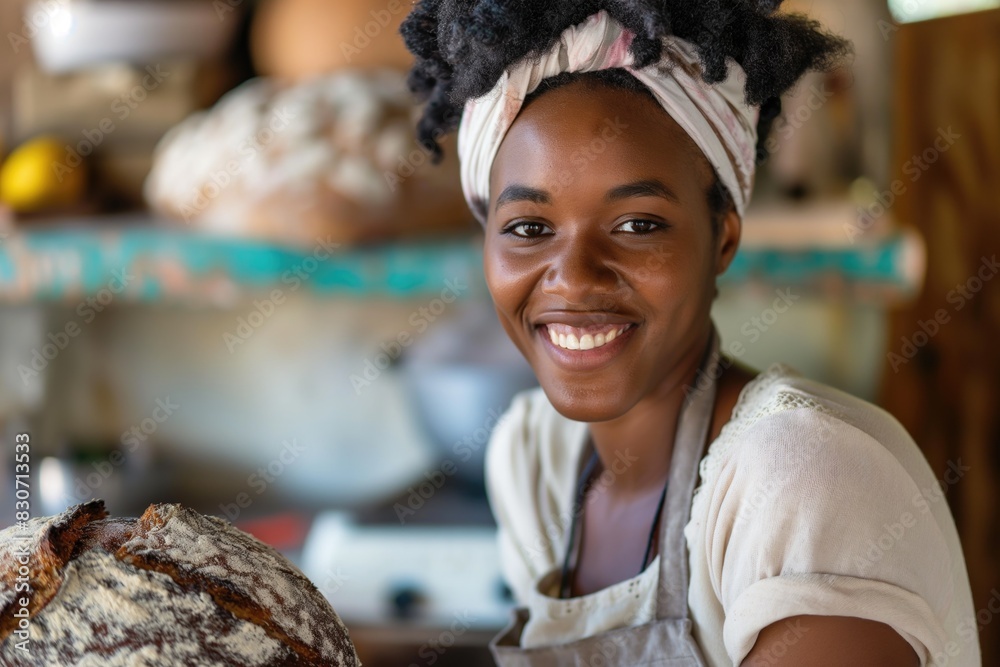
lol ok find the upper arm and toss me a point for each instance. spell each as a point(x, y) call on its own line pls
point(830, 641)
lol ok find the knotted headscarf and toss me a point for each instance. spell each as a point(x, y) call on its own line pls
point(715, 115)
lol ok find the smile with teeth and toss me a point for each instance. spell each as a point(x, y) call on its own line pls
point(575, 338)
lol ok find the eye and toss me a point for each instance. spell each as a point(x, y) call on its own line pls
point(640, 226)
point(526, 229)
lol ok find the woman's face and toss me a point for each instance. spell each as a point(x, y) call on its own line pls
point(599, 250)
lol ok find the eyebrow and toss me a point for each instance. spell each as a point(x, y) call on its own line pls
point(517, 192)
point(647, 188)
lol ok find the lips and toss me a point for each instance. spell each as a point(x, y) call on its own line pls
point(584, 340)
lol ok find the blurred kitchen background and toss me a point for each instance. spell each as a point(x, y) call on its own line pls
point(230, 278)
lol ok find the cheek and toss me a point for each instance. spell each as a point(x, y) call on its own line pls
point(677, 283)
point(510, 290)
point(505, 280)
point(496, 277)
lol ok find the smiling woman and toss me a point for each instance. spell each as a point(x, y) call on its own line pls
point(567, 262)
point(656, 502)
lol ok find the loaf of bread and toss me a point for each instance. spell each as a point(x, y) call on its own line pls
point(334, 157)
point(173, 587)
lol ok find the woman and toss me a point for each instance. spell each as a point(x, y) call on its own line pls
point(657, 503)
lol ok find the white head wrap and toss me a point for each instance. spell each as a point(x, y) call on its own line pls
point(716, 117)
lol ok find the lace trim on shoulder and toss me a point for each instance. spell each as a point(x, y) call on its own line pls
point(753, 392)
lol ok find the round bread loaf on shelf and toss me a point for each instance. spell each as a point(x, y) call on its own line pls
point(173, 587)
point(335, 157)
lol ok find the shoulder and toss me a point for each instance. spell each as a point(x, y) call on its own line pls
point(802, 444)
point(813, 500)
point(782, 416)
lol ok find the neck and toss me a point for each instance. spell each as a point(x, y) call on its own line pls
point(637, 446)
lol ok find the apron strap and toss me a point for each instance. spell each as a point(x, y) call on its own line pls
point(689, 442)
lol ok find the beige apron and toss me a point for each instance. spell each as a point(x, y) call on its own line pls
point(667, 639)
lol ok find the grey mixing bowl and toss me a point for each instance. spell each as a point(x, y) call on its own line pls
point(461, 376)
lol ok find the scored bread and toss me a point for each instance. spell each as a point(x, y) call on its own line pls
point(173, 587)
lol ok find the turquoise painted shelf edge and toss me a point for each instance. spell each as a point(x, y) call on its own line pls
point(164, 264)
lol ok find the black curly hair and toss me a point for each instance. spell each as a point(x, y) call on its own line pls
point(462, 48)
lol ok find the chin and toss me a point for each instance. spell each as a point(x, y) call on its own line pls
point(584, 403)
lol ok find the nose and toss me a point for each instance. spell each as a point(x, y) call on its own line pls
point(582, 270)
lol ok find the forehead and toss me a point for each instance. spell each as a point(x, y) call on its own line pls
point(584, 137)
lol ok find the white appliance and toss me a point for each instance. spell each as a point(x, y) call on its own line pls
point(431, 576)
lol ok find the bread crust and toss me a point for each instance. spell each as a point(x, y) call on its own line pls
point(171, 587)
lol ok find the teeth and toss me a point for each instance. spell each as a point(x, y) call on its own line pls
point(586, 341)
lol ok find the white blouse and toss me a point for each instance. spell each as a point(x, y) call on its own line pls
point(811, 501)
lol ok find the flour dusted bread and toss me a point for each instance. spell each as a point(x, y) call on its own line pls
point(334, 157)
point(172, 587)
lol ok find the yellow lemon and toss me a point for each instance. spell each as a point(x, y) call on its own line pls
point(36, 176)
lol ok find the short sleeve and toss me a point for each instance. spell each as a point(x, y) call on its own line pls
point(512, 474)
point(813, 516)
